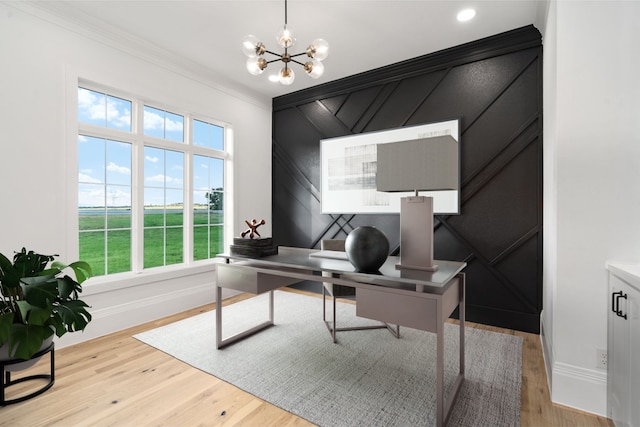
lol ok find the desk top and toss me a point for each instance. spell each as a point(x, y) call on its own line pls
point(300, 258)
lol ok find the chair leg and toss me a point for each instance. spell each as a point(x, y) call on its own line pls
point(332, 327)
point(333, 335)
point(324, 303)
point(394, 331)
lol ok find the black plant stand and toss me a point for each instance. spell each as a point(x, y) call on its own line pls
point(5, 380)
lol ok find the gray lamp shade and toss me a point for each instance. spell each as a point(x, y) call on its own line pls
point(427, 164)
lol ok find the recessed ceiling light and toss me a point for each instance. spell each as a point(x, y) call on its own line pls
point(466, 15)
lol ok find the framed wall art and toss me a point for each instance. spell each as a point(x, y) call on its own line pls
point(349, 168)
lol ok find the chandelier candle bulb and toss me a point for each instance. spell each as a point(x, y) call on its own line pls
point(285, 37)
point(287, 76)
point(314, 68)
point(256, 66)
point(318, 49)
point(252, 47)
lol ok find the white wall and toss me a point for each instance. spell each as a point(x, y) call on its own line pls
point(592, 164)
point(42, 57)
point(592, 184)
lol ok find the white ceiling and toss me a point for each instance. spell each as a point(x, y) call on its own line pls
point(205, 36)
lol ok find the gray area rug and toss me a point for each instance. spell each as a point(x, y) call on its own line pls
point(369, 378)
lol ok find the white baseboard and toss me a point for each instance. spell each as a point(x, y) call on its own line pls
point(579, 388)
point(573, 386)
point(547, 354)
point(133, 312)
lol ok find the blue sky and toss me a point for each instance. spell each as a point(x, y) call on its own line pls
point(104, 166)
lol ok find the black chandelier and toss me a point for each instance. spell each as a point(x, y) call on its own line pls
point(255, 50)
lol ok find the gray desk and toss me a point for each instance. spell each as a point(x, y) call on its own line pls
point(411, 298)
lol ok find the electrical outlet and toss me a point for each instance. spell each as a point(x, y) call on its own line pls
point(601, 358)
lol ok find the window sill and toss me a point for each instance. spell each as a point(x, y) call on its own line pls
point(114, 282)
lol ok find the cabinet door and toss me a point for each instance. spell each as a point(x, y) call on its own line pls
point(618, 363)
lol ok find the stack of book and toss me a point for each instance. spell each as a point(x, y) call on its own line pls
point(256, 248)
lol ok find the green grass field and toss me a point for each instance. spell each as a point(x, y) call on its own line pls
point(162, 246)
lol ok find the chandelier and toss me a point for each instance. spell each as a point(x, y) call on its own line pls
point(255, 50)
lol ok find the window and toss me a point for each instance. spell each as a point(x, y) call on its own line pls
point(208, 212)
point(103, 110)
point(164, 208)
point(208, 135)
point(163, 124)
point(104, 196)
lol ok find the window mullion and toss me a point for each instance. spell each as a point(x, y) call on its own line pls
point(101, 132)
point(137, 177)
point(187, 223)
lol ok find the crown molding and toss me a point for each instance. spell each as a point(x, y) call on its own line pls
point(76, 21)
point(499, 44)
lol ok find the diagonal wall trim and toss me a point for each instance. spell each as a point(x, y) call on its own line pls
point(427, 95)
point(494, 87)
point(500, 93)
point(474, 183)
point(322, 113)
point(320, 101)
point(371, 111)
point(504, 281)
point(281, 160)
point(341, 228)
point(516, 244)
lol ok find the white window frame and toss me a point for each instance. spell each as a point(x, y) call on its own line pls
point(138, 140)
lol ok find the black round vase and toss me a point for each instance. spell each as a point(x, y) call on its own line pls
point(367, 248)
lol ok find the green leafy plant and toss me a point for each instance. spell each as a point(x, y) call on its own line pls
point(38, 301)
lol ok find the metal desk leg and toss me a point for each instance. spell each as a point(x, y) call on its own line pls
point(220, 342)
point(439, 366)
point(445, 408)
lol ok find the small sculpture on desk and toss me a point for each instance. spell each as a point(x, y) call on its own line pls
point(253, 228)
point(248, 245)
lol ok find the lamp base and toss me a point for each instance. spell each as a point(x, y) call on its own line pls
point(416, 234)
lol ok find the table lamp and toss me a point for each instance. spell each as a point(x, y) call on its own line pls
point(426, 164)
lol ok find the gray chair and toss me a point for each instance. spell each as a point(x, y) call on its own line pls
point(335, 291)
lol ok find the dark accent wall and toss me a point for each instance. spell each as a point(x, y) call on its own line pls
point(494, 86)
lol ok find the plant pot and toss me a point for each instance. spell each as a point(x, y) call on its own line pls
point(4, 356)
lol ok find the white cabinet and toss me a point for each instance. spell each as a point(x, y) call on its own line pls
point(623, 365)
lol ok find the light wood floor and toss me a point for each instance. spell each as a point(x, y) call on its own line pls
point(118, 381)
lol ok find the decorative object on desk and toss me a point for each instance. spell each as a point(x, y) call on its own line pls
point(250, 247)
point(367, 248)
point(253, 228)
point(256, 248)
point(430, 163)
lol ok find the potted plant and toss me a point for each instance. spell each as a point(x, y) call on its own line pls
point(38, 301)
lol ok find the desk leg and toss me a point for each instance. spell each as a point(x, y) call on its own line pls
point(440, 366)
point(443, 409)
point(220, 342)
point(462, 315)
